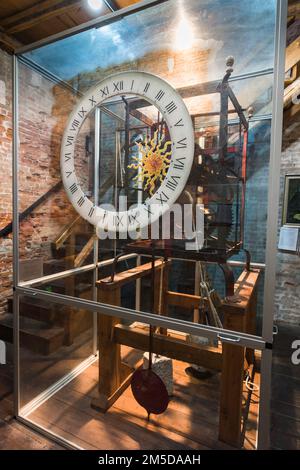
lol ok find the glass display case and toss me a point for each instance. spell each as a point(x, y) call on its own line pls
point(147, 144)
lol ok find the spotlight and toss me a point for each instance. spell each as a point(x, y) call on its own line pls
point(95, 4)
point(184, 36)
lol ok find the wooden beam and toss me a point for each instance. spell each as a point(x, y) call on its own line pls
point(39, 7)
point(81, 257)
point(8, 43)
point(130, 275)
point(244, 288)
point(142, 117)
point(290, 93)
point(291, 115)
point(292, 56)
point(36, 18)
point(178, 299)
point(170, 346)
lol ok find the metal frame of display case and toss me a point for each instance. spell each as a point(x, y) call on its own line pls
point(263, 343)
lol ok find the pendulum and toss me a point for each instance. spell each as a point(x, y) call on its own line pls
point(147, 387)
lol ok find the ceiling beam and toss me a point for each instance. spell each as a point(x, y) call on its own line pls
point(39, 16)
point(24, 14)
point(8, 43)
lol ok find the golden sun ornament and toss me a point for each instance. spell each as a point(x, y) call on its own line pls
point(154, 162)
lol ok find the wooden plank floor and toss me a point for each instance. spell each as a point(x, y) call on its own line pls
point(285, 430)
point(14, 435)
point(190, 422)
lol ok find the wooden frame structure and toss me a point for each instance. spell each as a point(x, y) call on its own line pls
point(239, 315)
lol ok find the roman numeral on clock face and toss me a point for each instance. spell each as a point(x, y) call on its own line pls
point(182, 144)
point(67, 157)
point(160, 95)
point(118, 86)
point(171, 107)
point(162, 198)
point(148, 209)
point(117, 220)
point(173, 183)
point(180, 163)
point(70, 140)
point(132, 218)
point(91, 211)
point(82, 112)
point(81, 201)
point(104, 91)
point(93, 101)
point(68, 173)
point(179, 123)
point(73, 188)
point(75, 124)
point(147, 86)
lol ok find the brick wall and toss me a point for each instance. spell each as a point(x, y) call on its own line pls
point(287, 298)
point(43, 111)
point(5, 174)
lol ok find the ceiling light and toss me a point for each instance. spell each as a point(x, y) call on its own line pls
point(184, 35)
point(95, 4)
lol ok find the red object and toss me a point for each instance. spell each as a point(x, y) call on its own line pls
point(149, 391)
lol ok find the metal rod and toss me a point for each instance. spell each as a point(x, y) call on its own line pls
point(15, 225)
point(247, 340)
point(55, 276)
point(272, 221)
point(96, 202)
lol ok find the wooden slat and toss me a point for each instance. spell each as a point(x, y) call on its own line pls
point(290, 92)
point(169, 346)
point(81, 257)
point(35, 19)
point(292, 56)
point(291, 116)
point(66, 232)
point(142, 117)
point(130, 275)
point(243, 290)
point(182, 300)
point(10, 43)
point(27, 12)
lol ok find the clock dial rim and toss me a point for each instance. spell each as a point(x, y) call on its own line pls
point(181, 157)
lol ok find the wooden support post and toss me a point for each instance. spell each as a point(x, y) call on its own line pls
point(114, 376)
point(231, 391)
point(238, 315)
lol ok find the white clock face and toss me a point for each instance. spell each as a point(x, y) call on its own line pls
point(181, 150)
